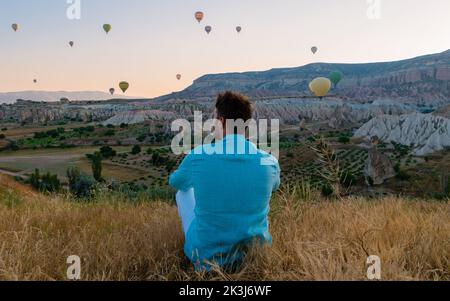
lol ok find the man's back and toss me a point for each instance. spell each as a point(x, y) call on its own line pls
point(232, 192)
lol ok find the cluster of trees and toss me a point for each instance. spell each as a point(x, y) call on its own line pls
point(49, 134)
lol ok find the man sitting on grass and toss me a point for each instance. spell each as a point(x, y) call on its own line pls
point(224, 196)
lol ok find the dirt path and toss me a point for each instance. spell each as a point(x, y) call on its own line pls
point(13, 174)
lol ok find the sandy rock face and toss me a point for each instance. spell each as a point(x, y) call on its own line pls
point(426, 133)
point(378, 167)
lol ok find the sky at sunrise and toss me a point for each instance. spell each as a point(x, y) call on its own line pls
point(152, 41)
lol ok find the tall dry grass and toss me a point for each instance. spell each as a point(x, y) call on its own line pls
point(313, 240)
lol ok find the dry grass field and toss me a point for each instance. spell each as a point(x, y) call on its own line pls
point(313, 239)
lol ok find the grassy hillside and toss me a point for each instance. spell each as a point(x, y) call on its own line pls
point(313, 239)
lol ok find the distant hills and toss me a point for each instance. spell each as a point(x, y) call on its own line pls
point(425, 78)
point(52, 96)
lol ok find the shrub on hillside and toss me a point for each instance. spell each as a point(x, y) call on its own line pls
point(46, 183)
point(80, 185)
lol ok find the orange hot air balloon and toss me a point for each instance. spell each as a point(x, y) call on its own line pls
point(15, 27)
point(178, 76)
point(208, 29)
point(199, 16)
point(124, 86)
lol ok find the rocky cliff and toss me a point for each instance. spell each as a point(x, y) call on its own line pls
point(422, 80)
point(425, 133)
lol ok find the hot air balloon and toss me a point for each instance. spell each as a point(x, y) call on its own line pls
point(15, 27)
point(178, 76)
point(107, 28)
point(112, 90)
point(336, 77)
point(314, 49)
point(199, 16)
point(124, 86)
point(71, 43)
point(320, 86)
point(208, 29)
point(239, 29)
point(34, 80)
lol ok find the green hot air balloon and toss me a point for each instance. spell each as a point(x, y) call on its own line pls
point(336, 77)
point(107, 28)
point(124, 86)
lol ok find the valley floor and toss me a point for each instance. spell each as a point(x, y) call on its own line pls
point(313, 239)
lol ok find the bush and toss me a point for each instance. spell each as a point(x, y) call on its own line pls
point(327, 190)
point(348, 178)
point(110, 133)
point(2, 136)
point(46, 183)
point(80, 184)
point(344, 139)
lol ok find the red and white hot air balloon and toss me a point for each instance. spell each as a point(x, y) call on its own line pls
point(199, 16)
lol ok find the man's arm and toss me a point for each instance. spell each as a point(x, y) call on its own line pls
point(182, 179)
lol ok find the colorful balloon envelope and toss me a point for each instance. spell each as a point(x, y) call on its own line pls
point(199, 16)
point(107, 28)
point(208, 29)
point(124, 86)
point(320, 86)
point(336, 77)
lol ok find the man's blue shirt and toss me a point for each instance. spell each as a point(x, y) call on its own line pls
point(233, 183)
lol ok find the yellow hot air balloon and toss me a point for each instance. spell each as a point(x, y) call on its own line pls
point(107, 28)
point(199, 16)
point(320, 86)
point(15, 27)
point(124, 86)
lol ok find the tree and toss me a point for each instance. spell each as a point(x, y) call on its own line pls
point(108, 152)
point(96, 161)
point(136, 150)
